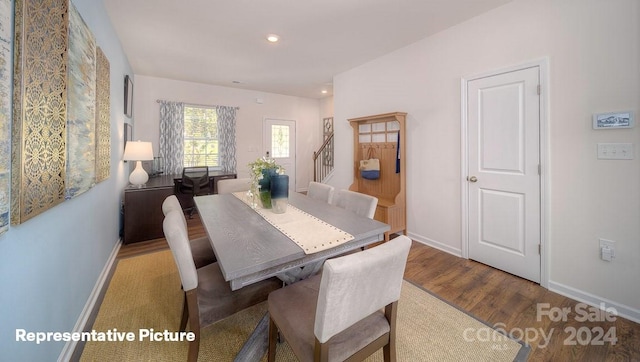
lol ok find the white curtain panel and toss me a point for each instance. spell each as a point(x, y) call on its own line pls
point(172, 136)
point(227, 137)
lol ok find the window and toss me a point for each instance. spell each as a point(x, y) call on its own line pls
point(201, 137)
point(279, 141)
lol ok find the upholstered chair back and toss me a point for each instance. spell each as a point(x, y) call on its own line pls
point(171, 203)
point(232, 185)
point(362, 204)
point(177, 237)
point(320, 191)
point(355, 286)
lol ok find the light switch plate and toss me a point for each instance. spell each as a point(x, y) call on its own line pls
point(615, 151)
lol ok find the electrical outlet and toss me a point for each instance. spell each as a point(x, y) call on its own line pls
point(607, 249)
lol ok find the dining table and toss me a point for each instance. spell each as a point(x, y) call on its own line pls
point(251, 247)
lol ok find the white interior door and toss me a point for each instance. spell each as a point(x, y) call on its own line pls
point(504, 216)
point(280, 143)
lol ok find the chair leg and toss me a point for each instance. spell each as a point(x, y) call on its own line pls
point(320, 351)
point(194, 323)
point(273, 337)
point(185, 314)
point(391, 313)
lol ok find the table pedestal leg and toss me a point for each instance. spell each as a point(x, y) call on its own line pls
point(256, 346)
point(297, 274)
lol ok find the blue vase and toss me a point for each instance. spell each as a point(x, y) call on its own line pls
point(265, 187)
point(279, 193)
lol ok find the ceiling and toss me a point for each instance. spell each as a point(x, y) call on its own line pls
point(223, 42)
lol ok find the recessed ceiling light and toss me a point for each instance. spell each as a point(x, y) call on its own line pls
point(324, 91)
point(273, 38)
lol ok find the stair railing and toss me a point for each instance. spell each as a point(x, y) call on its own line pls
point(323, 160)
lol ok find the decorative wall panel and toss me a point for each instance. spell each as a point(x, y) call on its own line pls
point(103, 117)
point(81, 107)
point(39, 107)
point(6, 35)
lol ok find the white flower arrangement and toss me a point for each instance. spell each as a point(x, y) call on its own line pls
point(256, 169)
point(264, 163)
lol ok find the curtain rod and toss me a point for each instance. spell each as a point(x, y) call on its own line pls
point(198, 105)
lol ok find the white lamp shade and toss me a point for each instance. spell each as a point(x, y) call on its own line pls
point(138, 151)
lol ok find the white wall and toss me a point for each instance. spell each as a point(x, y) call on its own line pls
point(49, 265)
point(305, 111)
point(326, 108)
point(594, 56)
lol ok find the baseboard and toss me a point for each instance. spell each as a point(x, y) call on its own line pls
point(436, 244)
point(624, 311)
point(70, 347)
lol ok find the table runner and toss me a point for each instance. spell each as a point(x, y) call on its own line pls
point(307, 231)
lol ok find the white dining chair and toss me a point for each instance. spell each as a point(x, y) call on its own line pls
point(208, 297)
point(362, 204)
point(320, 191)
point(346, 313)
point(201, 249)
point(232, 185)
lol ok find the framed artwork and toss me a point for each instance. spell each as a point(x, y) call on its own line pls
point(6, 67)
point(39, 143)
point(81, 107)
point(128, 134)
point(128, 96)
point(60, 135)
point(103, 117)
point(613, 120)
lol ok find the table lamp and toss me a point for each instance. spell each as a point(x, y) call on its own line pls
point(138, 151)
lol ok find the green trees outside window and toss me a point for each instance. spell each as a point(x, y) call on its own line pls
point(200, 137)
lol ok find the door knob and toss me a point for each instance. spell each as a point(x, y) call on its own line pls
point(472, 179)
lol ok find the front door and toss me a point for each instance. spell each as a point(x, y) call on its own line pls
point(503, 175)
point(280, 144)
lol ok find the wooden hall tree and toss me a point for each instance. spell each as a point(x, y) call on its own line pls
point(382, 137)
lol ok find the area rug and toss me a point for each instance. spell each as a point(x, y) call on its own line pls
point(144, 294)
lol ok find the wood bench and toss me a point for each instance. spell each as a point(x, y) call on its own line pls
point(383, 137)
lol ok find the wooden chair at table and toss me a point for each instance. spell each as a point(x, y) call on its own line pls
point(208, 298)
point(201, 247)
point(336, 315)
point(320, 191)
point(362, 204)
point(232, 185)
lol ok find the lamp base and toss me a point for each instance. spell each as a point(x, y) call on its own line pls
point(138, 176)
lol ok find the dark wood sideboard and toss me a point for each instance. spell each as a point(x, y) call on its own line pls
point(143, 206)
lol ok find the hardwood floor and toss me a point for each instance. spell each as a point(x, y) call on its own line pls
point(511, 303)
point(196, 230)
point(504, 301)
